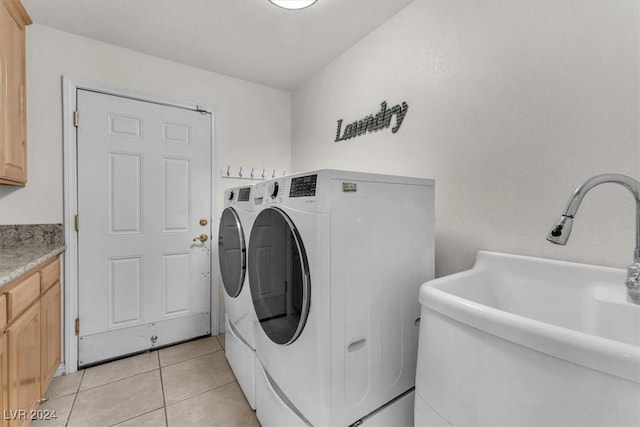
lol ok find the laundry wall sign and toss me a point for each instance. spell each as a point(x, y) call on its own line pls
point(373, 123)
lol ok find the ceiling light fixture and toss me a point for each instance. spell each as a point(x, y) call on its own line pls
point(293, 4)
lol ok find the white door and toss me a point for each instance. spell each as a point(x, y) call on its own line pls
point(144, 174)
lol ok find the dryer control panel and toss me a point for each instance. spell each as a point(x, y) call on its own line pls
point(303, 186)
point(244, 194)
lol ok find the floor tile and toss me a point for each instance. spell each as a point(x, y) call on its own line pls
point(188, 350)
point(152, 419)
point(221, 340)
point(224, 406)
point(117, 401)
point(194, 376)
point(55, 412)
point(64, 385)
point(119, 369)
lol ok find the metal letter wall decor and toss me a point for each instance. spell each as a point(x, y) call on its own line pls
point(373, 123)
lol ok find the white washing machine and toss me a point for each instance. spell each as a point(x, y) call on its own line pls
point(233, 237)
point(336, 260)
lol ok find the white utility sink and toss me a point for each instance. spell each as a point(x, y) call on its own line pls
point(528, 341)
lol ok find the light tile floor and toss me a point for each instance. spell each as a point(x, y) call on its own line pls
point(189, 384)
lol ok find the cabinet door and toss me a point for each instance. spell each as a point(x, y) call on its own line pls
point(50, 335)
point(24, 364)
point(13, 154)
point(4, 380)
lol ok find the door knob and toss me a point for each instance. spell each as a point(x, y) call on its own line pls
point(203, 238)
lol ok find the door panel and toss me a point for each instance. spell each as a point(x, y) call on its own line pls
point(50, 329)
point(176, 298)
point(13, 152)
point(124, 281)
point(24, 363)
point(4, 379)
point(125, 193)
point(176, 185)
point(144, 173)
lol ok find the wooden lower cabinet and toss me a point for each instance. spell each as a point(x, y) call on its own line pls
point(4, 380)
point(24, 365)
point(50, 335)
point(30, 341)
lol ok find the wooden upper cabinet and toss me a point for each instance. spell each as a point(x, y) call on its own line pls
point(13, 112)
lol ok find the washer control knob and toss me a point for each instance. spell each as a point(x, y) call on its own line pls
point(231, 195)
point(273, 189)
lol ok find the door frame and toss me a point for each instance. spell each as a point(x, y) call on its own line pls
point(70, 87)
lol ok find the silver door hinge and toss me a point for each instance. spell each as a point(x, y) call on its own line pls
point(76, 222)
point(77, 326)
point(76, 118)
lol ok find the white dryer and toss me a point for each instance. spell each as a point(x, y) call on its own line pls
point(233, 237)
point(336, 260)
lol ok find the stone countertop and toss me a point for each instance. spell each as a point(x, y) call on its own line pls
point(18, 260)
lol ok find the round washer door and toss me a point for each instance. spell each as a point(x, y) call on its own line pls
point(278, 276)
point(232, 252)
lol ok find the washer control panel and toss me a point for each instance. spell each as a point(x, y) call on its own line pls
point(303, 186)
point(273, 190)
point(243, 194)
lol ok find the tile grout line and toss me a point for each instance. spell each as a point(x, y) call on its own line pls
point(190, 358)
point(133, 418)
point(206, 391)
point(160, 367)
point(220, 342)
point(161, 389)
point(164, 400)
point(75, 397)
point(119, 379)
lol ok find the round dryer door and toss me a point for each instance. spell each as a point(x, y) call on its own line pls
point(232, 253)
point(278, 276)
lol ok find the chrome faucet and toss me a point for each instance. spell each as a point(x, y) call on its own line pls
point(562, 228)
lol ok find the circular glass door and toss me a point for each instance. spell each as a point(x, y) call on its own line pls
point(232, 253)
point(278, 276)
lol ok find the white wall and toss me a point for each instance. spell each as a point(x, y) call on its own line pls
point(253, 122)
point(511, 106)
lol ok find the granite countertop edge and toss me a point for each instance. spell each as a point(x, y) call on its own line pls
point(15, 262)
